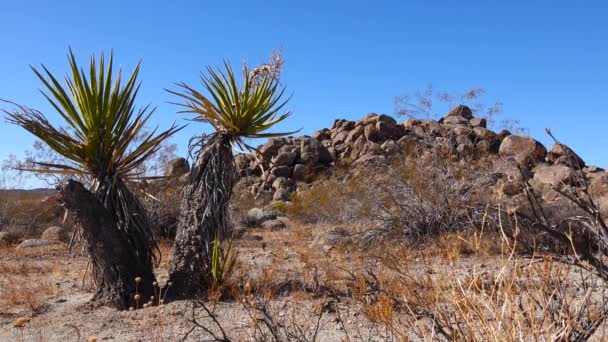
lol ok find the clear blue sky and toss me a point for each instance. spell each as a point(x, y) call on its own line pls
point(546, 60)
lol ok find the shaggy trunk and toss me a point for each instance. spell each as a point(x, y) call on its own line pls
point(115, 262)
point(203, 214)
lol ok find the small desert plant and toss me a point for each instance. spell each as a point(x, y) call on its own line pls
point(223, 261)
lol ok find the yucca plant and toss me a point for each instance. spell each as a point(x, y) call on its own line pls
point(99, 144)
point(236, 112)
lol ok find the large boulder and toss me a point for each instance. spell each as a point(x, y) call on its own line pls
point(526, 151)
point(388, 130)
point(358, 147)
point(177, 167)
point(599, 185)
point(373, 119)
point(54, 233)
point(281, 171)
point(271, 147)
point(324, 134)
point(242, 162)
point(561, 154)
point(461, 110)
point(312, 151)
point(553, 176)
point(390, 147)
point(299, 172)
point(603, 204)
point(370, 133)
point(354, 134)
point(508, 177)
point(455, 120)
point(370, 160)
point(285, 158)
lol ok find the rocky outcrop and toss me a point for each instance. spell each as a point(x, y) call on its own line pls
point(284, 165)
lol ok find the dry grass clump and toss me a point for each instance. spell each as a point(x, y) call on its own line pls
point(25, 284)
point(30, 292)
point(509, 299)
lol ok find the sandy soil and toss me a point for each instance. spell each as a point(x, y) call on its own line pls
point(48, 286)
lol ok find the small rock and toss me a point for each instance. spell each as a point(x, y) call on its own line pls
point(410, 123)
point(281, 194)
point(484, 133)
point(282, 183)
point(281, 171)
point(390, 147)
point(370, 160)
point(299, 172)
point(54, 233)
point(257, 216)
point(33, 243)
point(478, 122)
point(330, 239)
point(274, 225)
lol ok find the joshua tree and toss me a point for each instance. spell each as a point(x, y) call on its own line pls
point(99, 145)
point(236, 112)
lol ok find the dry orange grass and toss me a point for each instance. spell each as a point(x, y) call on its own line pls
point(28, 277)
point(25, 284)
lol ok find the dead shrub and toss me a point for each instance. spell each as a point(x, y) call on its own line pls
point(410, 200)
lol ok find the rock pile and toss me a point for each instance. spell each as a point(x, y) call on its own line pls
point(283, 164)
